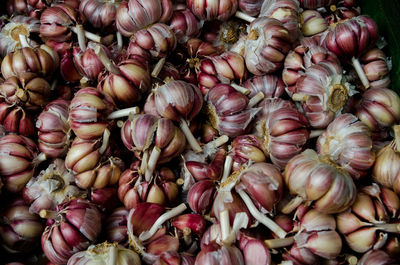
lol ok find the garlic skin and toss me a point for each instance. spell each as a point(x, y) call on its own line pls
point(9, 34)
point(104, 254)
point(19, 158)
point(213, 9)
point(101, 14)
point(347, 142)
point(225, 68)
point(372, 221)
point(314, 4)
point(250, 7)
point(20, 229)
point(376, 66)
point(312, 23)
point(266, 46)
point(298, 60)
point(54, 131)
point(379, 109)
point(315, 179)
point(72, 228)
point(376, 257)
point(282, 128)
point(135, 15)
point(185, 24)
point(52, 187)
point(15, 119)
point(272, 86)
point(287, 12)
point(324, 92)
point(386, 170)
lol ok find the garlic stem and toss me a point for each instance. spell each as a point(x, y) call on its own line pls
point(187, 236)
point(88, 35)
point(351, 259)
point(241, 89)
point(162, 219)
point(189, 136)
point(81, 37)
point(143, 164)
point(316, 133)
point(256, 99)
point(24, 41)
point(123, 113)
point(390, 228)
point(39, 159)
point(108, 64)
point(225, 225)
point(261, 217)
point(106, 138)
point(360, 72)
point(113, 254)
point(155, 154)
point(217, 142)
point(299, 97)
point(48, 214)
point(120, 41)
point(244, 16)
point(84, 82)
point(227, 168)
point(293, 204)
point(279, 242)
point(396, 129)
point(158, 67)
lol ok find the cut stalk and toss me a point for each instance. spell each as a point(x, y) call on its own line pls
point(225, 225)
point(123, 113)
point(293, 204)
point(158, 67)
point(244, 16)
point(241, 89)
point(81, 37)
point(261, 217)
point(113, 254)
point(316, 133)
point(48, 214)
point(227, 168)
point(143, 165)
point(279, 242)
point(189, 136)
point(155, 154)
point(360, 72)
point(120, 42)
point(396, 130)
point(24, 41)
point(162, 219)
point(390, 228)
point(299, 97)
point(106, 138)
point(108, 64)
point(88, 35)
point(256, 99)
